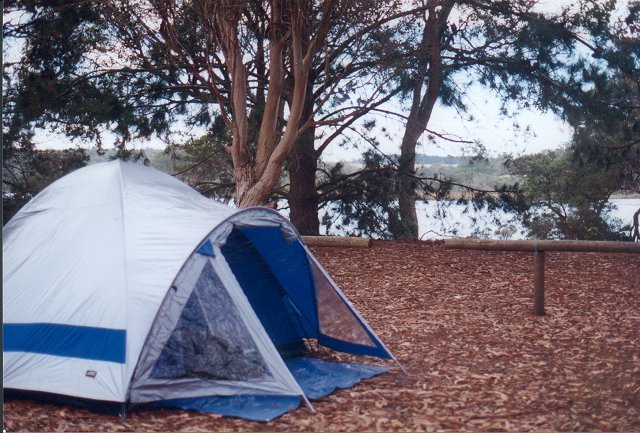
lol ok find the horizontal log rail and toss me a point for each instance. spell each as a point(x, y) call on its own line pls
point(538, 248)
point(337, 241)
point(536, 245)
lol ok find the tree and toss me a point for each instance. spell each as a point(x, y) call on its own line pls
point(611, 144)
point(256, 175)
point(350, 78)
point(52, 82)
point(566, 198)
point(361, 203)
point(287, 77)
point(608, 135)
point(604, 155)
point(528, 57)
point(271, 71)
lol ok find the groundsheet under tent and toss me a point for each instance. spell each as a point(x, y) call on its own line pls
point(316, 378)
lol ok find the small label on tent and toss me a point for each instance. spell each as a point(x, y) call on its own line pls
point(206, 249)
point(91, 373)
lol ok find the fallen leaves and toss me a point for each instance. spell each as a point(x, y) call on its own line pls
point(461, 324)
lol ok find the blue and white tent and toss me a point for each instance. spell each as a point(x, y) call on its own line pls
point(124, 285)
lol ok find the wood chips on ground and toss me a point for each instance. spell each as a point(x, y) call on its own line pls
point(461, 324)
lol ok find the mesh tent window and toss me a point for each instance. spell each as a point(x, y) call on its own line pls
point(210, 341)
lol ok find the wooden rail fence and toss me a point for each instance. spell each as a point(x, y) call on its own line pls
point(538, 248)
point(337, 241)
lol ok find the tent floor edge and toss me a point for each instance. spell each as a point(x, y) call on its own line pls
point(107, 407)
point(260, 408)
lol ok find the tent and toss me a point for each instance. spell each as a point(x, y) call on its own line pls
point(124, 285)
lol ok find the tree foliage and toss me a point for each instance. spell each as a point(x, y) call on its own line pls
point(280, 80)
point(566, 199)
point(250, 65)
point(53, 79)
point(361, 203)
point(204, 164)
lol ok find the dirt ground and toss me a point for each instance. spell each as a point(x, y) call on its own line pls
point(461, 324)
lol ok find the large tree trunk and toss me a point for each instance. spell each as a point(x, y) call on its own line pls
point(429, 69)
point(254, 184)
point(303, 196)
point(302, 164)
point(407, 183)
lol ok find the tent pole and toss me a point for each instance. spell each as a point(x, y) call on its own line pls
point(309, 405)
point(399, 365)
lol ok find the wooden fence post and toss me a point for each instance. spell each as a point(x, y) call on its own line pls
point(538, 283)
point(538, 247)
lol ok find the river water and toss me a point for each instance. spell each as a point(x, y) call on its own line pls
point(458, 221)
point(447, 220)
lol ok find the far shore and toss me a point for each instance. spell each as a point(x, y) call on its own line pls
point(456, 195)
point(619, 195)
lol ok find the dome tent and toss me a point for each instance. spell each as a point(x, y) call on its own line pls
point(124, 285)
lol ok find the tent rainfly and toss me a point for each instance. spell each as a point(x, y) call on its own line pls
point(123, 285)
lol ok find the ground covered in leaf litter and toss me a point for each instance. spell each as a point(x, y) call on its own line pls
point(460, 322)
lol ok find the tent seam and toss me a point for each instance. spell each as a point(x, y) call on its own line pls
point(125, 385)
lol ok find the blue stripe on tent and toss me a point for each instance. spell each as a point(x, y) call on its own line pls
point(86, 342)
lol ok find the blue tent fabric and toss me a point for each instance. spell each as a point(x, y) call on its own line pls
point(320, 378)
point(206, 249)
point(289, 264)
point(269, 267)
point(263, 291)
point(251, 407)
point(316, 378)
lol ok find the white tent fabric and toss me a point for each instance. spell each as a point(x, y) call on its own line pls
point(106, 236)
